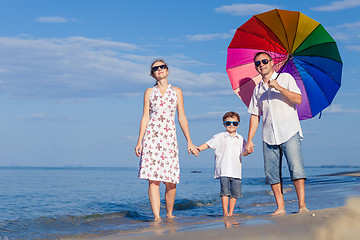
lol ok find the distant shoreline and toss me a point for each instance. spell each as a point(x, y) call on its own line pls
point(119, 167)
point(351, 173)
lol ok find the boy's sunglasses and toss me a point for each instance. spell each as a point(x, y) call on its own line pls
point(264, 61)
point(154, 69)
point(228, 123)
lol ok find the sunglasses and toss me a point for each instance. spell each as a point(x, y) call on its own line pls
point(154, 69)
point(228, 123)
point(264, 61)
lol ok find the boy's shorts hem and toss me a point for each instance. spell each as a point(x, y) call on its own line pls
point(230, 196)
point(230, 187)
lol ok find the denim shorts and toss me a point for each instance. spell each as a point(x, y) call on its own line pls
point(230, 187)
point(273, 160)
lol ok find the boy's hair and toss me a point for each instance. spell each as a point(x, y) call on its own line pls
point(231, 115)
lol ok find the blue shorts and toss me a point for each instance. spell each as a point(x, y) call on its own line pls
point(230, 187)
point(273, 160)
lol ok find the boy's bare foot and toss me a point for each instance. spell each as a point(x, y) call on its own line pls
point(279, 212)
point(226, 214)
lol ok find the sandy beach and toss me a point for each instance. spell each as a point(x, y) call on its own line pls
point(325, 224)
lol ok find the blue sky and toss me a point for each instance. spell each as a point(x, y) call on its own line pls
point(73, 74)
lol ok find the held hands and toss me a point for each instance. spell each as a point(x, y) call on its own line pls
point(193, 149)
point(249, 147)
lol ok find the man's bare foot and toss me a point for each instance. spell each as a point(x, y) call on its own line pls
point(279, 212)
point(303, 209)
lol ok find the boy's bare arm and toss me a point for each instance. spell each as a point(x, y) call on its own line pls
point(202, 147)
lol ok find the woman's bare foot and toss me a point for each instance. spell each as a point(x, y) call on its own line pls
point(279, 212)
point(303, 209)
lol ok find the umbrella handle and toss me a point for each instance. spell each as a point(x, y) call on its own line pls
point(282, 68)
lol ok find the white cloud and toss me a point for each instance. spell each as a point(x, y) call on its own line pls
point(66, 68)
point(243, 9)
point(43, 116)
point(217, 114)
point(225, 92)
point(51, 20)
point(347, 32)
point(98, 43)
point(338, 5)
point(208, 116)
point(205, 37)
point(83, 68)
point(350, 25)
point(355, 48)
point(208, 37)
point(337, 108)
point(203, 81)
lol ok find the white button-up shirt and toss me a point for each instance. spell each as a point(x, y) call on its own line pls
point(280, 118)
point(228, 151)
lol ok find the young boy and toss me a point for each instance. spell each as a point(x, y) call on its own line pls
point(229, 146)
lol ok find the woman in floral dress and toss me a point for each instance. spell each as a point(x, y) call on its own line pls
point(157, 143)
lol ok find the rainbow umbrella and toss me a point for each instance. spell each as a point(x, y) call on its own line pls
point(299, 46)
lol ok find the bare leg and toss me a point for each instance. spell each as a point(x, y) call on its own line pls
point(279, 198)
point(225, 204)
point(232, 206)
point(154, 197)
point(300, 191)
point(170, 193)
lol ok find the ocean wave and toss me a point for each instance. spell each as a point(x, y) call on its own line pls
point(50, 226)
point(186, 204)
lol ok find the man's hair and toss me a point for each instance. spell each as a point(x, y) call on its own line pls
point(231, 115)
point(259, 53)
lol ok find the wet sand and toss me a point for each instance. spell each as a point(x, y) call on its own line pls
point(325, 224)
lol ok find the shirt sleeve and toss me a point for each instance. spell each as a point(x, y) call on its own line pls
point(254, 107)
point(213, 142)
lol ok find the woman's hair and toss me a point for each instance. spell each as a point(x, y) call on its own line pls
point(231, 115)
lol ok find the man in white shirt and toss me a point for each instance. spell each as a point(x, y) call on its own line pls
point(275, 98)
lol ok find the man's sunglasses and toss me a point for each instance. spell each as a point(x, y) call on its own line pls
point(264, 61)
point(228, 123)
point(154, 69)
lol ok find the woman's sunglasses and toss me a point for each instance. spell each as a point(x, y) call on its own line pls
point(154, 69)
point(228, 123)
point(264, 61)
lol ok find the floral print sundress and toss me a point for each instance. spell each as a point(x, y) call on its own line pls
point(159, 158)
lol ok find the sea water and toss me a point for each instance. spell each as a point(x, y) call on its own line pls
point(53, 203)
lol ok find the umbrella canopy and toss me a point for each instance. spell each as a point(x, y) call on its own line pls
point(298, 45)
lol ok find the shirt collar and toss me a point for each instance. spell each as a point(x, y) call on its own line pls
point(273, 76)
point(227, 134)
